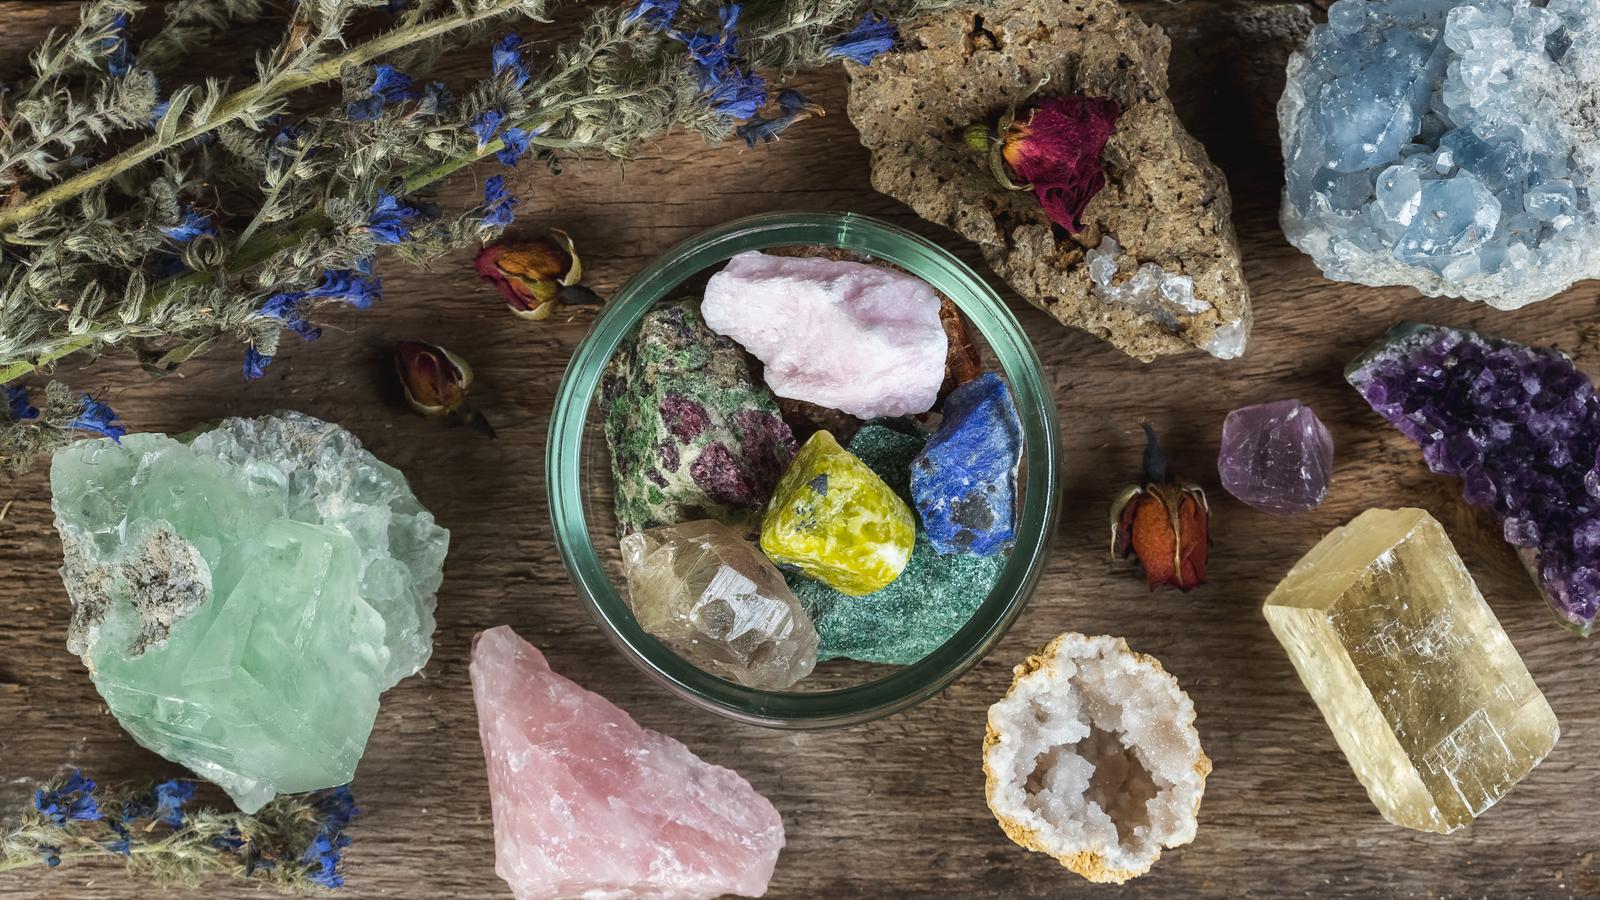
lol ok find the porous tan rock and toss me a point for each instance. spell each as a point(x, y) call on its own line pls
point(1164, 202)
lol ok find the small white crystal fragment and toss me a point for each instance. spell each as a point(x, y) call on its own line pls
point(863, 339)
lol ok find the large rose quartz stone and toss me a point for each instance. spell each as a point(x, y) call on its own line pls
point(589, 804)
point(862, 339)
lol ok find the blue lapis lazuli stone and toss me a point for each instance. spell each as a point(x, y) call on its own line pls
point(964, 480)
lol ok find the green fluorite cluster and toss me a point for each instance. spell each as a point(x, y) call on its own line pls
point(241, 598)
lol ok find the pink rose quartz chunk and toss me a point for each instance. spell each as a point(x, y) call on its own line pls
point(862, 339)
point(589, 804)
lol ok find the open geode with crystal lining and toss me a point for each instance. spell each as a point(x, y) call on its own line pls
point(1093, 758)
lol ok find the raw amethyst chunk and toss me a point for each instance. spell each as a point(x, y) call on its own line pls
point(1521, 426)
point(1277, 457)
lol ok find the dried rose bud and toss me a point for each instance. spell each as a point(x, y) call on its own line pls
point(435, 382)
point(1054, 148)
point(531, 274)
point(1163, 523)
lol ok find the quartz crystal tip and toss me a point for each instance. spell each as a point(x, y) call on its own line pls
point(1424, 692)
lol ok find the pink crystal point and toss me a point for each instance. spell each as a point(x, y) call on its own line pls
point(863, 339)
point(587, 802)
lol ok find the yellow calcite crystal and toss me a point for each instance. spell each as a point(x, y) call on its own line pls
point(1425, 694)
point(835, 520)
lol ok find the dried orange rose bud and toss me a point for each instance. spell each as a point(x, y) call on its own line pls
point(1163, 523)
point(435, 382)
point(531, 274)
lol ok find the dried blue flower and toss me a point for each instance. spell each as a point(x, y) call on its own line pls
point(485, 124)
point(356, 288)
point(335, 810)
point(516, 144)
point(194, 224)
point(119, 56)
point(507, 56)
point(657, 15)
point(792, 107)
point(288, 308)
point(739, 95)
point(871, 36)
point(390, 222)
point(97, 418)
point(497, 203)
point(119, 845)
point(18, 404)
point(170, 798)
point(715, 55)
point(389, 85)
point(51, 855)
point(74, 800)
point(255, 363)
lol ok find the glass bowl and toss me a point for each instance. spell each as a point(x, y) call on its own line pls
point(578, 474)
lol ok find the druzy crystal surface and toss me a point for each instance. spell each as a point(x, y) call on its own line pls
point(930, 601)
point(1424, 692)
point(1521, 427)
point(965, 479)
point(712, 595)
point(863, 339)
point(1448, 146)
point(833, 519)
point(241, 599)
point(692, 431)
point(1277, 457)
point(587, 803)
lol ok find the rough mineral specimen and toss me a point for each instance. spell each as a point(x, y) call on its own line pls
point(1093, 758)
point(1163, 201)
point(710, 594)
point(241, 599)
point(1425, 694)
point(586, 803)
point(964, 480)
point(1521, 426)
point(863, 339)
point(920, 610)
point(1277, 457)
point(834, 520)
point(693, 433)
point(1448, 146)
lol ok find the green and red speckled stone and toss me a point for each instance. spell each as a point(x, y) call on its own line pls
point(693, 432)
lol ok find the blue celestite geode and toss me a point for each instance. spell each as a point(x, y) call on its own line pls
point(1448, 146)
point(1521, 426)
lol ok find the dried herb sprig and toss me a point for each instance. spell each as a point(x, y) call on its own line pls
point(295, 843)
point(244, 223)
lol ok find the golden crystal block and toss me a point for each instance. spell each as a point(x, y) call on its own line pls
point(1425, 694)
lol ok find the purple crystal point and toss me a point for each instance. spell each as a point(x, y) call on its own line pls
point(1521, 426)
point(1276, 457)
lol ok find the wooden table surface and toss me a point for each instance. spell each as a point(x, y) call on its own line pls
point(895, 807)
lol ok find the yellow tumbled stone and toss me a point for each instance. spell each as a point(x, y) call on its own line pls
point(835, 520)
point(1426, 696)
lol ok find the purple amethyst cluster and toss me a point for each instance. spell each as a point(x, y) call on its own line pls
point(1521, 426)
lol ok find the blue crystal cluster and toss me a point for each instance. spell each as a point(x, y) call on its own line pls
point(1448, 146)
point(1521, 427)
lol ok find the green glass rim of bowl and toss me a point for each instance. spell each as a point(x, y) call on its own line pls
point(1040, 506)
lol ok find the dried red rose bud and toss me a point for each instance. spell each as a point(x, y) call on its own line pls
point(436, 381)
point(531, 274)
point(1163, 523)
point(1054, 148)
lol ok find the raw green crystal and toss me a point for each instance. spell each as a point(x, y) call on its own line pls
point(241, 599)
point(929, 602)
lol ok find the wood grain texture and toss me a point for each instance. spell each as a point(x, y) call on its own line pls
point(894, 808)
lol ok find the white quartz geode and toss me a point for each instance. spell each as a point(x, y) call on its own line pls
point(1092, 757)
point(1452, 147)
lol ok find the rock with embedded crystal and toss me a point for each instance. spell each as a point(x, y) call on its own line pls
point(1092, 757)
point(863, 339)
point(713, 597)
point(1277, 457)
point(920, 610)
point(243, 597)
point(1423, 690)
point(586, 803)
point(1521, 426)
point(1448, 146)
point(964, 480)
point(693, 434)
point(833, 519)
point(1163, 202)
